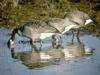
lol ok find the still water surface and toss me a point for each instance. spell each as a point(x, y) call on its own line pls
point(70, 60)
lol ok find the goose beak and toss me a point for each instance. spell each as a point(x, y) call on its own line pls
point(88, 21)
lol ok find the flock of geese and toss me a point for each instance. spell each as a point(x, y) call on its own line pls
point(37, 30)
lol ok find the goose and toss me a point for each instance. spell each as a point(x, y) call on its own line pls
point(34, 30)
point(71, 20)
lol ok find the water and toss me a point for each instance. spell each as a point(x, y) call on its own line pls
point(69, 60)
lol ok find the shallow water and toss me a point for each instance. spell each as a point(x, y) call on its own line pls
point(16, 61)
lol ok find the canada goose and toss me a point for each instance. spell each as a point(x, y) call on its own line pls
point(33, 30)
point(71, 20)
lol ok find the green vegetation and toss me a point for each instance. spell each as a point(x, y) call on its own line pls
point(15, 12)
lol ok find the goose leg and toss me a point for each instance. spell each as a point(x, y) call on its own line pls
point(40, 41)
point(77, 35)
point(32, 43)
point(78, 32)
point(13, 54)
point(60, 40)
point(53, 41)
point(73, 36)
point(56, 43)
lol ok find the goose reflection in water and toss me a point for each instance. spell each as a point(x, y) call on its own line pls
point(34, 59)
point(77, 49)
point(47, 56)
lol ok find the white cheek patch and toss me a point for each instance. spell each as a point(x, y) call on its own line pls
point(45, 35)
point(88, 21)
point(68, 28)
